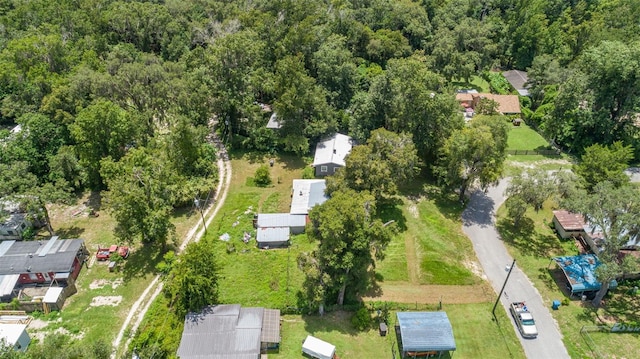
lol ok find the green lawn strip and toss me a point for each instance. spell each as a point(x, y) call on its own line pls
point(524, 137)
point(476, 334)
point(533, 244)
point(443, 247)
point(394, 265)
point(477, 83)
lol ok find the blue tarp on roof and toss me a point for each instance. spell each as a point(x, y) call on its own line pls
point(425, 331)
point(580, 272)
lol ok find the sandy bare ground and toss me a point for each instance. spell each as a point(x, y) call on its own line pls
point(405, 292)
point(100, 300)
point(101, 283)
point(141, 306)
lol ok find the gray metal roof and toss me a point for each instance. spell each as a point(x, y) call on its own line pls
point(426, 331)
point(55, 255)
point(270, 326)
point(306, 194)
point(272, 234)
point(516, 78)
point(224, 331)
point(333, 150)
point(281, 220)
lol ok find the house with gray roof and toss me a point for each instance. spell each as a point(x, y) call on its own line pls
point(228, 331)
point(39, 262)
point(331, 154)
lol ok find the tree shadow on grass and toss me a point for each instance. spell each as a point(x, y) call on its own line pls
point(334, 321)
point(623, 303)
point(290, 161)
point(391, 210)
point(527, 239)
point(142, 262)
point(69, 232)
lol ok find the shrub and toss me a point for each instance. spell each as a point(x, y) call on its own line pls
point(262, 178)
point(361, 320)
point(307, 173)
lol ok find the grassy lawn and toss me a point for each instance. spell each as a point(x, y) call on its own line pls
point(477, 83)
point(473, 328)
point(533, 243)
point(524, 137)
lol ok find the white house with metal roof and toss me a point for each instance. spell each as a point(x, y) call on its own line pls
point(331, 154)
point(15, 336)
point(306, 194)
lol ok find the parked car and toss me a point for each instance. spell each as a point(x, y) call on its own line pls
point(524, 319)
point(104, 254)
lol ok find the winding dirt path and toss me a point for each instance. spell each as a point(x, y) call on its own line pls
point(141, 306)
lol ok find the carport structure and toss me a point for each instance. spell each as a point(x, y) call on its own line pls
point(425, 334)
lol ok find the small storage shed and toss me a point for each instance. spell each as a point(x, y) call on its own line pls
point(15, 336)
point(568, 224)
point(317, 348)
point(425, 334)
point(296, 222)
point(53, 299)
point(272, 237)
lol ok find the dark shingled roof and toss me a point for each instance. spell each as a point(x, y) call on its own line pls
point(224, 331)
point(54, 255)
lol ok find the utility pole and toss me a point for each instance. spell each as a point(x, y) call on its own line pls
point(502, 290)
point(196, 201)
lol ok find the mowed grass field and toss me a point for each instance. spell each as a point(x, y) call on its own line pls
point(271, 278)
point(533, 243)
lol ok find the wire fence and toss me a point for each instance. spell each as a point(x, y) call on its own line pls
point(584, 331)
point(534, 152)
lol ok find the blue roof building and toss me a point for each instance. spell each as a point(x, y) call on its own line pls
point(580, 272)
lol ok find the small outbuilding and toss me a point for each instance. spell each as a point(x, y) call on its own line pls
point(272, 237)
point(318, 349)
point(15, 336)
point(425, 334)
point(580, 272)
point(295, 222)
point(568, 224)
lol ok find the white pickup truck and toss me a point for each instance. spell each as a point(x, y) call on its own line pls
point(524, 319)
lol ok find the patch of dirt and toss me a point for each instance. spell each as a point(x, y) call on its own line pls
point(100, 283)
point(400, 292)
point(413, 209)
point(474, 267)
point(561, 162)
point(106, 300)
point(40, 335)
point(37, 324)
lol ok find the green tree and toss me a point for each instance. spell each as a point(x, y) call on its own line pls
point(386, 161)
point(192, 283)
point(102, 130)
point(350, 240)
point(139, 197)
point(601, 163)
point(615, 212)
point(474, 153)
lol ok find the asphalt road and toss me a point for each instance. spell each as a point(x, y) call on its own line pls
point(478, 223)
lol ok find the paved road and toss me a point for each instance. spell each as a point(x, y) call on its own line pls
point(478, 223)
